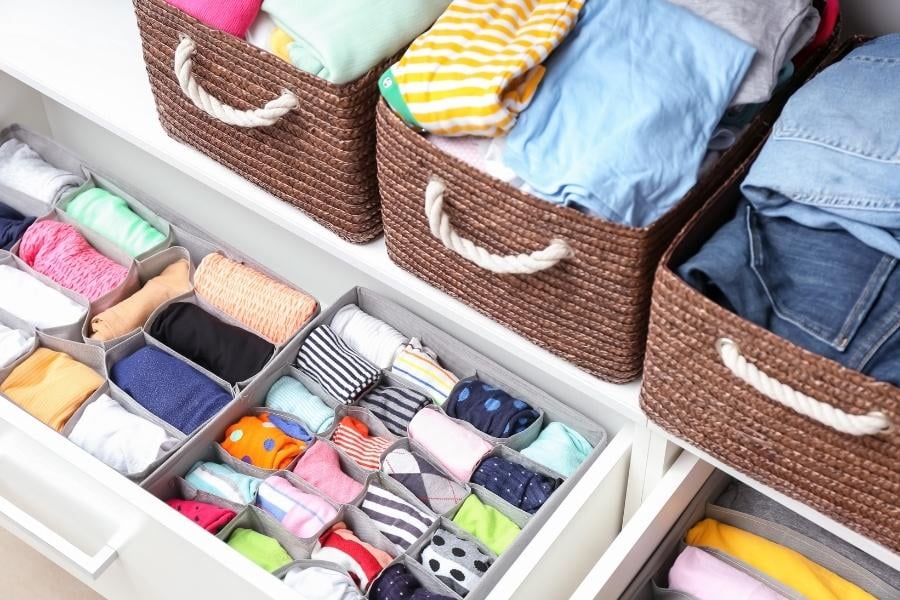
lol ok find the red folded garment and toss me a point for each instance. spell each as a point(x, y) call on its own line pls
point(208, 516)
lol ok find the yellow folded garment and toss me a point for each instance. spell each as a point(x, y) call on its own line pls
point(782, 564)
point(131, 313)
point(51, 386)
point(279, 41)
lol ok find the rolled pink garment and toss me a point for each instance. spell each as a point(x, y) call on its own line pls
point(458, 449)
point(321, 467)
point(230, 16)
point(705, 577)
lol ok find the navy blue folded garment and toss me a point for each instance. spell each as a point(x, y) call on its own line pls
point(12, 226)
point(170, 388)
point(489, 409)
point(397, 583)
point(516, 484)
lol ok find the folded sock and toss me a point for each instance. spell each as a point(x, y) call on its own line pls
point(133, 312)
point(372, 338)
point(456, 561)
point(394, 406)
point(320, 582)
point(261, 549)
point(560, 448)
point(263, 305)
point(331, 363)
point(301, 513)
point(290, 396)
point(60, 252)
point(51, 386)
point(224, 482)
point(14, 344)
point(490, 409)
point(424, 480)
point(397, 583)
point(124, 441)
point(290, 428)
point(352, 436)
point(12, 225)
point(419, 366)
point(229, 352)
point(169, 388)
point(362, 560)
point(457, 449)
point(491, 527)
point(256, 441)
point(110, 216)
point(23, 169)
point(230, 16)
point(35, 302)
point(208, 516)
point(399, 521)
point(320, 466)
point(521, 487)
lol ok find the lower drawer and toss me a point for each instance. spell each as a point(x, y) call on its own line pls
point(126, 544)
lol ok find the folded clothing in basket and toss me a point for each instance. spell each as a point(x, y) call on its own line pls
point(352, 436)
point(131, 313)
point(290, 396)
point(123, 440)
point(35, 302)
point(169, 388)
point(58, 251)
point(265, 551)
point(559, 448)
point(340, 43)
point(456, 561)
point(705, 577)
point(362, 560)
point(258, 442)
point(224, 482)
point(494, 529)
point(521, 487)
point(397, 583)
point(12, 225)
point(110, 216)
point(230, 16)
point(208, 516)
point(457, 449)
point(490, 409)
point(321, 582)
point(331, 363)
point(50, 386)
point(398, 520)
point(23, 169)
point(301, 513)
point(424, 480)
point(226, 350)
point(321, 467)
point(786, 566)
point(14, 344)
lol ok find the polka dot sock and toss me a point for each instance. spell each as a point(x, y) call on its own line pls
point(456, 561)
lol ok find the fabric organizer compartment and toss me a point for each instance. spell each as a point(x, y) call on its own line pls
point(449, 498)
point(10, 357)
point(260, 470)
point(133, 203)
point(581, 285)
point(318, 156)
point(254, 519)
point(714, 501)
point(52, 153)
point(700, 386)
point(420, 574)
point(375, 426)
point(35, 315)
point(29, 208)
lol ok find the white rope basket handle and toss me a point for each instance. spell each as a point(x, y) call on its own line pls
point(440, 226)
point(254, 117)
point(872, 423)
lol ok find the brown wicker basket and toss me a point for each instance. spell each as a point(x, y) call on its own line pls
point(590, 308)
point(319, 157)
point(690, 392)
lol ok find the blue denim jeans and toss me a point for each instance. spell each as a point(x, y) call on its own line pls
point(824, 290)
point(833, 159)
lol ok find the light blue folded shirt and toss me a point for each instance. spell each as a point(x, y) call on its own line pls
point(623, 116)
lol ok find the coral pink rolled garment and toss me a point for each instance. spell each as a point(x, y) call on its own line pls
point(705, 577)
point(60, 252)
point(457, 449)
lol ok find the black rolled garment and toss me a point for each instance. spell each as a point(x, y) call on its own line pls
point(12, 226)
point(230, 352)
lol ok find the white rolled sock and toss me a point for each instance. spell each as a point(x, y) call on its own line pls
point(13, 344)
point(35, 302)
point(319, 582)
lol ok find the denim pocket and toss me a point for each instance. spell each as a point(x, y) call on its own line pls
point(828, 299)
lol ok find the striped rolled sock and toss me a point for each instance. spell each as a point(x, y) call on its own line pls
point(394, 406)
point(352, 436)
point(419, 366)
point(330, 362)
point(399, 521)
point(289, 395)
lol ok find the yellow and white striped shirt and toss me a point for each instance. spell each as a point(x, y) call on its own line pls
point(479, 66)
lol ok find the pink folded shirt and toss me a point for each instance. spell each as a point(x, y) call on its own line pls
point(457, 449)
point(230, 16)
point(705, 577)
point(321, 467)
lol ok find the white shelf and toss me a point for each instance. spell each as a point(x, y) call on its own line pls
point(87, 56)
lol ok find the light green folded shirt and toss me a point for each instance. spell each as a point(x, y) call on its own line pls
point(261, 549)
point(560, 448)
point(111, 217)
point(341, 41)
point(494, 529)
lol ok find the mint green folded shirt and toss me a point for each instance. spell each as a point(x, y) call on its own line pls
point(110, 216)
point(341, 41)
point(261, 549)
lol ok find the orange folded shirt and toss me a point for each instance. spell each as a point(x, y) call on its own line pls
point(260, 443)
point(51, 386)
